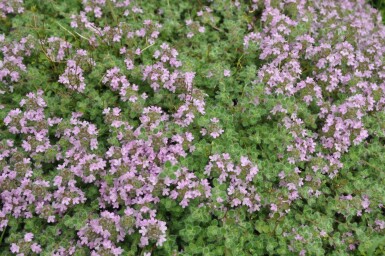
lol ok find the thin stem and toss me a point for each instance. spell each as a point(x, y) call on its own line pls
point(145, 48)
point(66, 29)
point(2, 235)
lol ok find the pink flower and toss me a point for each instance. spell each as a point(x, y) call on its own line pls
point(28, 237)
point(117, 251)
point(51, 219)
point(226, 73)
point(244, 161)
point(214, 120)
point(365, 203)
point(298, 237)
point(36, 248)
point(15, 248)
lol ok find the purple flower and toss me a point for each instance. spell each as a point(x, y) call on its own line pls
point(36, 248)
point(28, 237)
point(14, 248)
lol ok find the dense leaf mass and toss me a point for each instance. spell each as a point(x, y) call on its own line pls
point(209, 127)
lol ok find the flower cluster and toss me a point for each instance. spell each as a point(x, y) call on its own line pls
point(214, 129)
point(31, 123)
point(56, 48)
point(101, 234)
point(10, 6)
point(73, 77)
point(26, 246)
point(119, 82)
point(194, 28)
point(12, 66)
point(181, 83)
point(240, 188)
point(186, 187)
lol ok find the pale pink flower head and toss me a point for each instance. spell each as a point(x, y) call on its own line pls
point(15, 248)
point(28, 237)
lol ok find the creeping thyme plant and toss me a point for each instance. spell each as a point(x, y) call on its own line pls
point(208, 127)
